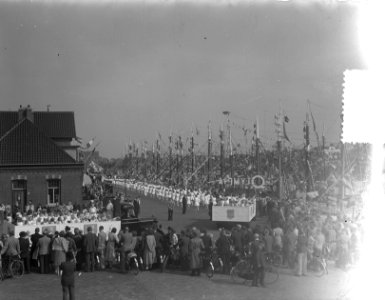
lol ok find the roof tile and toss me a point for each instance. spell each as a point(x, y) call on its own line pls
point(25, 144)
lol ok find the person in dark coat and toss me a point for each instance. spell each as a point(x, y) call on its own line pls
point(67, 271)
point(24, 251)
point(137, 207)
point(184, 204)
point(90, 246)
point(35, 239)
point(223, 248)
point(258, 261)
point(237, 238)
point(78, 239)
point(170, 210)
point(211, 204)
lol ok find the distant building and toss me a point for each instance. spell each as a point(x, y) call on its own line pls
point(39, 160)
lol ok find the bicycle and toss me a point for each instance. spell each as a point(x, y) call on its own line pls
point(15, 268)
point(274, 258)
point(215, 264)
point(243, 272)
point(317, 265)
point(132, 263)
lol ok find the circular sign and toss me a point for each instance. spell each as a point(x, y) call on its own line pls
point(258, 182)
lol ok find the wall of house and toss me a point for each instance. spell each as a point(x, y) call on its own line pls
point(71, 183)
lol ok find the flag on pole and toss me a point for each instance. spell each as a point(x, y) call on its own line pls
point(89, 144)
point(286, 120)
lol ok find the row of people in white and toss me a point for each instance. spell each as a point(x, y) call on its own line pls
point(194, 198)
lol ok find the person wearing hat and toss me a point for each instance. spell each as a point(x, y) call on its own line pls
point(258, 261)
point(195, 248)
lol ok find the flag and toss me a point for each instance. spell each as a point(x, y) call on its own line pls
point(89, 144)
point(197, 130)
point(284, 131)
point(314, 127)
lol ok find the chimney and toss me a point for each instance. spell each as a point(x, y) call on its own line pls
point(25, 113)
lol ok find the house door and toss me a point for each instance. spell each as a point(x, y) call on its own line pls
point(19, 194)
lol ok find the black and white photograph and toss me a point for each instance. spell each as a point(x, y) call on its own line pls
point(180, 150)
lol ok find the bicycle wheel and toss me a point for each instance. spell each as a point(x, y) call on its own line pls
point(277, 259)
point(17, 269)
point(316, 267)
point(218, 265)
point(210, 270)
point(134, 266)
point(271, 274)
point(239, 272)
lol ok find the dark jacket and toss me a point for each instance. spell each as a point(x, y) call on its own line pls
point(223, 246)
point(90, 243)
point(24, 247)
point(257, 255)
point(35, 239)
point(68, 275)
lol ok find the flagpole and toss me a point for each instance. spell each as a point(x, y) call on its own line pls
point(181, 160)
point(192, 157)
point(231, 161)
point(222, 150)
point(209, 153)
point(177, 160)
point(257, 145)
point(307, 145)
point(323, 152)
point(137, 160)
point(279, 128)
point(342, 173)
point(170, 157)
point(157, 157)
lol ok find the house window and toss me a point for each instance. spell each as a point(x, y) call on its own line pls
point(54, 191)
point(19, 194)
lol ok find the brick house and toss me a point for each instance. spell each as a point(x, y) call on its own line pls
point(38, 158)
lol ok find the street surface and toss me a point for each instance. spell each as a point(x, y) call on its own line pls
point(174, 285)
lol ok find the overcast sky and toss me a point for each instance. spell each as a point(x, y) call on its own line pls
point(130, 70)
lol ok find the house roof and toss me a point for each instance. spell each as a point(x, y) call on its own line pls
point(54, 124)
point(26, 144)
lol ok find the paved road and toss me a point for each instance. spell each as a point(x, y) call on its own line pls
point(175, 285)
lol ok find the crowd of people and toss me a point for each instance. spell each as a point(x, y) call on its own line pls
point(295, 229)
point(295, 234)
point(93, 211)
